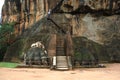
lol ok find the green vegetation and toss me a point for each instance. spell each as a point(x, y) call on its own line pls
point(15, 50)
point(8, 64)
point(6, 37)
point(83, 55)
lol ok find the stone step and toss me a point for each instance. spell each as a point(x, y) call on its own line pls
point(62, 63)
point(60, 51)
point(60, 48)
point(62, 68)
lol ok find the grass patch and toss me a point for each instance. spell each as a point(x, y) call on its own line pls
point(8, 64)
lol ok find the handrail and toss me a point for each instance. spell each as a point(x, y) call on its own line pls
point(51, 12)
point(58, 5)
point(62, 30)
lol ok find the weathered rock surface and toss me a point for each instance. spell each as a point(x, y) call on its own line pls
point(27, 12)
point(94, 24)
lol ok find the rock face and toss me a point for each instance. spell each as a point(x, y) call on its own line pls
point(93, 4)
point(26, 12)
point(94, 22)
point(23, 12)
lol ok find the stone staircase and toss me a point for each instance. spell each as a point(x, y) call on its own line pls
point(62, 63)
point(61, 59)
point(60, 50)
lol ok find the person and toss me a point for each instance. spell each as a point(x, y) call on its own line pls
point(49, 13)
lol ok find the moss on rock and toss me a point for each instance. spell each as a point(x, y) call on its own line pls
point(86, 49)
point(14, 52)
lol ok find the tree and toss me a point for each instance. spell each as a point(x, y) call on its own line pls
point(6, 32)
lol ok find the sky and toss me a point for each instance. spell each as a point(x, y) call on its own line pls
point(1, 4)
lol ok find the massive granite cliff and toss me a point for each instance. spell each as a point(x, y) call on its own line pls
point(27, 12)
point(93, 24)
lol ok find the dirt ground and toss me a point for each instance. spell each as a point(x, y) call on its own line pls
point(112, 72)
